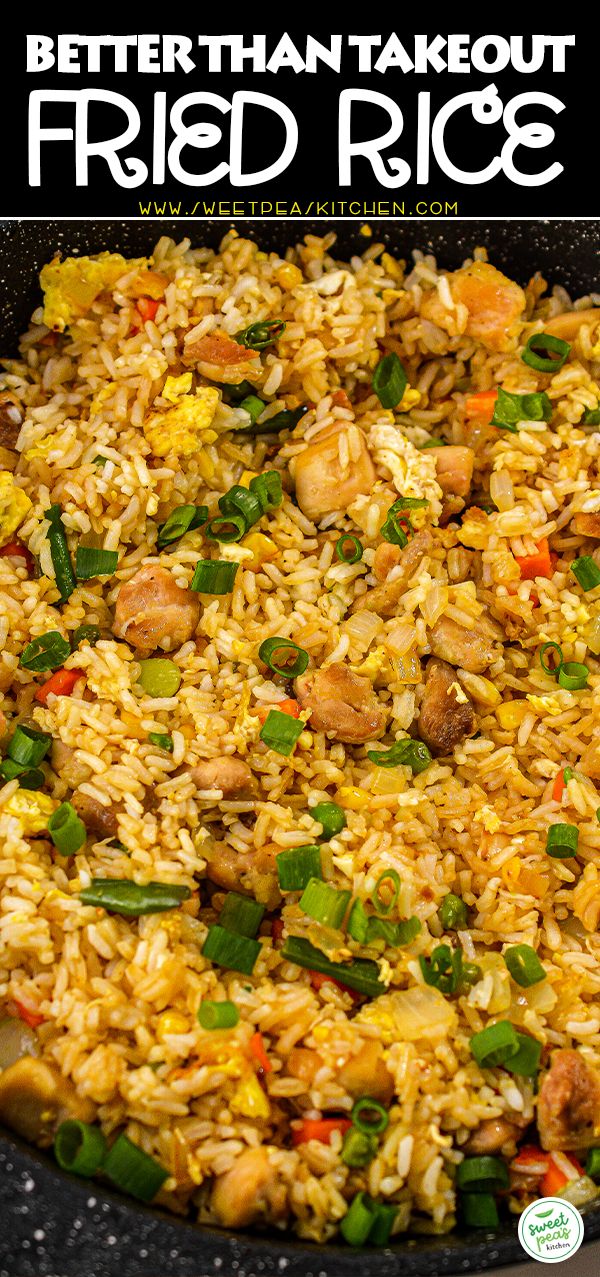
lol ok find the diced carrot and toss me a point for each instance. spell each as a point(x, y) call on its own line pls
point(340, 399)
point(257, 1049)
point(30, 1017)
point(555, 1178)
point(318, 978)
point(530, 1155)
point(481, 405)
point(61, 683)
point(559, 785)
point(285, 707)
point(147, 308)
point(277, 930)
point(321, 1129)
point(16, 550)
point(49, 339)
point(540, 564)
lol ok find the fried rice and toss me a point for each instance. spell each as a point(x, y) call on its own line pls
point(131, 398)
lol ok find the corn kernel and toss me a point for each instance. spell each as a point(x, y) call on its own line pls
point(262, 547)
point(409, 400)
point(510, 872)
point(510, 715)
point(31, 809)
point(171, 1022)
point(353, 797)
point(246, 476)
point(366, 231)
point(288, 276)
point(250, 1100)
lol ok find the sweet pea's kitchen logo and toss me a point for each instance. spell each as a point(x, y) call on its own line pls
point(550, 1230)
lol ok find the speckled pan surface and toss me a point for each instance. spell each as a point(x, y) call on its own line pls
point(50, 1223)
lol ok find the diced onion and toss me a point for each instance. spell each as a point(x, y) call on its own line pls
point(501, 490)
point(434, 603)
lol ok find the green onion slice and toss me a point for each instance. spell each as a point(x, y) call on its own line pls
point(551, 669)
point(225, 528)
point(406, 753)
point(29, 777)
point(297, 865)
point(324, 903)
point(241, 502)
point(241, 914)
point(495, 1045)
point(331, 817)
point(79, 1147)
point(586, 572)
point(162, 741)
point(557, 352)
point(27, 746)
point(573, 676)
point(394, 529)
point(358, 1220)
point(510, 409)
point(526, 1062)
point(358, 922)
point(67, 831)
point(218, 1015)
point(479, 1210)
point(120, 895)
point(159, 677)
point(260, 335)
point(390, 381)
point(482, 1175)
point(349, 549)
point(358, 1148)
point(286, 666)
point(185, 518)
point(391, 877)
point(445, 970)
point(280, 731)
point(253, 406)
point(562, 840)
point(383, 1223)
point(591, 417)
point(133, 1171)
point(369, 1116)
point(59, 551)
point(592, 1165)
point(85, 634)
point(47, 652)
point(524, 965)
point(453, 913)
point(407, 930)
point(90, 562)
point(361, 974)
point(214, 576)
point(287, 419)
point(231, 951)
point(268, 488)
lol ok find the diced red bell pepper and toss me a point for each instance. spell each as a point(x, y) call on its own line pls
point(481, 405)
point(257, 1049)
point(16, 550)
point(32, 1018)
point(61, 683)
point(319, 1129)
point(539, 564)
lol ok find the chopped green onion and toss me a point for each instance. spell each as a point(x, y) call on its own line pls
point(432, 443)
point(453, 913)
point(214, 576)
point(409, 503)
point(287, 419)
point(121, 895)
point(526, 1062)
point(99, 461)
point(358, 1148)
point(591, 417)
point(407, 930)
point(260, 335)
point(482, 1175)
point(28, 746)
point(524, 965)
point(358, 1220)
point(79, 1147)
point(185, 518)
point(253, 406)
point(592, 1165)
point(231, 951)
point(358, 922)
point(545, 342)
point(325, 904)
point(446, 971)
point(159, 677)
point(133, 1171)
point(551, 669)
point(361, 974)
point(47, 652)
point(479, 1210)
point(393, 530)
point(331, 817)
point(495, 1045)
point(349, 549)
point(225, 528)
point(90, 562)
point(218, 1015)
point(509, 409)
point(297, 866)
point(369, 1116)
point(161, 740)
point(85, 634)
point(405, 753)
point(383, 1223)
point(573, 676)
point(67, 831)
point(29, 777)
point(283, 665)
point(241, 914)
point(280, 731)
point(586, 572)
point(234, 393)
point(390, 381)
point(562, 840)
point(383, 906)
point(268, 488)
point(59, 551)
point(381, 929)
point(241, 502)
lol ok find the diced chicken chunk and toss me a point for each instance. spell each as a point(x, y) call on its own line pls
point(472, 649)
point(384, 598)
point(567, 325)
point(250, 1191)
point(11, 419)
point(494, 303)
point(454, 469)
point(341, 703)
point(97, 819)
point(153, 611)
point(446, 715)
point(66, 765)
point(386, 557)
point(220, 358)
point(568, 1112)
point(493, 1136)
point(587, 525)
point(366, 1074)
point(35, 1098)
point(253, 872)
point(229, 774)
point(324, 482)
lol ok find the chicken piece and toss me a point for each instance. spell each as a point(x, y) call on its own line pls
point(472, 649)
point(249, 1191)
point(252, 872)
point(342, 704)
point(494, 303)
point(221, 359)
point(568, 1109)
point(229, 774)
point(446, 715)
point(454, 469)
point(323, 482)
point(304, 1064)
point(66, 765)
point(366, 1074)
point(567, 325)
point(11, 419)
point(35, 1098)
point(383, 599)
point(386, 557)
point(493, 1136)
point(153, 611)
point(587, 525)
point(96, 818)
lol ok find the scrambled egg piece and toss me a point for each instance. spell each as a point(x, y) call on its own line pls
point(70, 287)
point(183, 428)
point(413, 472)
point(14, 506)
point(249, 1099)
point(545, 704)
point(175, 388)
point(490, 819)
point(33, 810)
